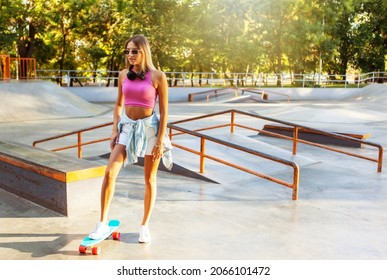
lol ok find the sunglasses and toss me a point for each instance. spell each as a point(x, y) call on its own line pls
point(134, 52)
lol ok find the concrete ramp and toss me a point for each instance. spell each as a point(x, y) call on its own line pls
point(373, 93)
point(35, 100)
point(361, 106)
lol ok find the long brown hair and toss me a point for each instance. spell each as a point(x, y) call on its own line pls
point(142, 43)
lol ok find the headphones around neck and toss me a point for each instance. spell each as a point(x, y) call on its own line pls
point(133, 75)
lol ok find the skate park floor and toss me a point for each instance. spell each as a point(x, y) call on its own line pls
point(340, 213)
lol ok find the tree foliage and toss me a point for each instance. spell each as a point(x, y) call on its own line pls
point(299, 36)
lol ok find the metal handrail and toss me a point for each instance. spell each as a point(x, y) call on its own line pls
point(202, 153)
point(297, 127)
point(79, 144)
point(264, 93)
point(295, 139)
point(214, 92)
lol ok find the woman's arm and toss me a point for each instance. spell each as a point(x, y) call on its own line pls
point(161, 86)
point(117, 109)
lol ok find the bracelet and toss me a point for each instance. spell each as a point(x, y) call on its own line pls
point(158, 146)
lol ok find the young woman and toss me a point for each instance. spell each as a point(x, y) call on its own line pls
point(137, 131)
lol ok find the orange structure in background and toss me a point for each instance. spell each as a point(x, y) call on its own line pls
point(17, 68)
point(4, 67)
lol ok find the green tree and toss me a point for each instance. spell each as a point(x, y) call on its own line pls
point(300, 36)
point(21, 22)
point(8, 32)
point(275, 21)
point(101, 36)
point(370, 35)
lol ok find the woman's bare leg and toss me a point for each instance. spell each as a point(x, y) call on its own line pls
point(150, 173)
point(116, 160)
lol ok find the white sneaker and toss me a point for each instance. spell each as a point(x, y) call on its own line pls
point(100, 230)
point(145, 236)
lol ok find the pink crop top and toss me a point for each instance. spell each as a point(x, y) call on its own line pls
point(139, 92)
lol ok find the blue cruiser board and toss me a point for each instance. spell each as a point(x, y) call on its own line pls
point(91, 243)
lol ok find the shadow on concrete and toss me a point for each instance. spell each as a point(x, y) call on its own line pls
point(176, 169)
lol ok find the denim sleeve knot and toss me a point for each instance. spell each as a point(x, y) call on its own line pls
point(137, 139)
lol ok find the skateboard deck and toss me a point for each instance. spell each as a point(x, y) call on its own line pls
point(91, 243)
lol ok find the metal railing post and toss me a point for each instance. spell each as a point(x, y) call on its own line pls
point(232, 122)
point(295, 139)
point(296, 179)
point(79, 144)
point(202, 153)
point(170, 133)
point(380, 159)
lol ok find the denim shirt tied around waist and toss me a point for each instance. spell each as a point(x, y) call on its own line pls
point(137, 139)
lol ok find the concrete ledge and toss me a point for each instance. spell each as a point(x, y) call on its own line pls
point(213, 92)
point(63, 184)
point(317, 137)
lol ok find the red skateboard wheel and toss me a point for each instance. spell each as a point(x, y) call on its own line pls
point(96, 250)
point(116, 235)
point(82, 249)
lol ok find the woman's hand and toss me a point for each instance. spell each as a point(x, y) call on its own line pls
point(157, 151)
point(113, 140)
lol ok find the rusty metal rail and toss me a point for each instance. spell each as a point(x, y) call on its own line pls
point(203, 154)
point(79, 144)
point(264, 93)
point(295, 139)
point(213, 92)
